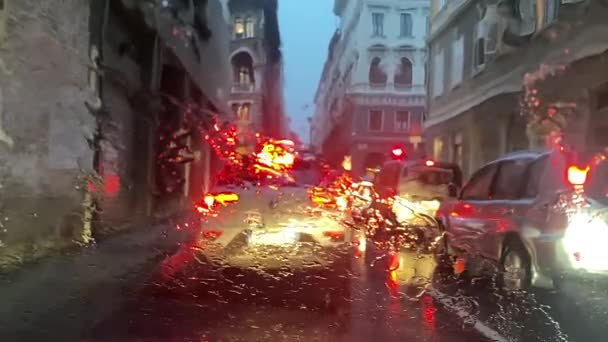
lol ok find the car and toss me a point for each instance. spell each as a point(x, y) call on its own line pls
point(269, 233)
point(537, 215)
point(417, 186)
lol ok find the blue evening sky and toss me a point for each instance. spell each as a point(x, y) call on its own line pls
point(306, 28)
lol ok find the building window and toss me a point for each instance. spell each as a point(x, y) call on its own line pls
point(437, 74)
point(242, 64)
point(239, 27)
point(402, 121)
point(480, 52)
point(551, 10)
point(375, 120)
point(244, 113)
point(457, 150)
point(406, 25)
point(457, 66)
point(1, 5)
point(377, 76)
point(403, 77)
point(378, 24)
point(437, 148)
point(249, 27)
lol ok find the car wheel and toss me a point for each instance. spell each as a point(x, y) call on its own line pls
point(516, 270)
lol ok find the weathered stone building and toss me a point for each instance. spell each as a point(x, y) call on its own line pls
point(83, 111)
point(256, 95)
point(495, 65)
point(371, 96)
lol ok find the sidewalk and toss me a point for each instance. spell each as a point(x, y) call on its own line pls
point(68, 293)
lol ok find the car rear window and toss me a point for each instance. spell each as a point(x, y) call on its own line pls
point(431, 176)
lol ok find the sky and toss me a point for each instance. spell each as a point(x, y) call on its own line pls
point(306, 28)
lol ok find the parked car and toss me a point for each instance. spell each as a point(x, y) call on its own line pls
point(523, 213)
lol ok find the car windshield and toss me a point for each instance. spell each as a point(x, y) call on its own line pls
point(267, 170)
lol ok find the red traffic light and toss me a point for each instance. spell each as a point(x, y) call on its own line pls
point(398, 153)
point(430, 163)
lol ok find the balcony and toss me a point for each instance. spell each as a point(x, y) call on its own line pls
point(243, 88)
point(389, 88)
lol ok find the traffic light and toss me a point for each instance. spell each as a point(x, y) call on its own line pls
point(398, 153)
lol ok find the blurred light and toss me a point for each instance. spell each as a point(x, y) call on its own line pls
point(334, 235)
point(577, 176)
point(584, 242)
point(347, 164)
point(209, 200)
point(397, 152)
point(430, 163)
point(212, 234)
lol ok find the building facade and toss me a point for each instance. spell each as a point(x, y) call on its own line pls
point(83, 126)
point(257, 68)
point(496, 67)
point(371, 96)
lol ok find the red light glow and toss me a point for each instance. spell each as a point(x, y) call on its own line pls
point(430, 163)
point(577, 176)
point(397, 152)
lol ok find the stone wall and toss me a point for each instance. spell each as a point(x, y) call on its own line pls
point(43, 121)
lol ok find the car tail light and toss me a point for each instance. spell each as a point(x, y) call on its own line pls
point(212, 234)
point(577, 176)
point(334, 236)
point(462, 209)
point(209, 200)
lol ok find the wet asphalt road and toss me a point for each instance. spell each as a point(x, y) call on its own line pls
point(199, 303)
point(182, 299)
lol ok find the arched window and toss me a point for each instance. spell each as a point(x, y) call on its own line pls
point(377, 76)
point(403, 77)
point(242, 65)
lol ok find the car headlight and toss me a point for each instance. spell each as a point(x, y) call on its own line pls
point(585, 242)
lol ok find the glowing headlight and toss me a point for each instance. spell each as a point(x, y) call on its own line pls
point(585, 242)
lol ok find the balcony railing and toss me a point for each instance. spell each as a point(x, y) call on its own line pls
point(243, 87)
point(413, 89)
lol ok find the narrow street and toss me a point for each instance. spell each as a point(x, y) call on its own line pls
point(154, 296)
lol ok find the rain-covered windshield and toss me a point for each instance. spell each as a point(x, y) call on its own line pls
point(318, 170)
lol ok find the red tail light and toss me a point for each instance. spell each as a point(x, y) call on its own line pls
point(212, 234)
point(462, 209)
point(577, 176)
point(209, 200)
point(334, 236)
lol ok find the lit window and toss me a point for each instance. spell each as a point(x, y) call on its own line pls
point(249, 27)
point(375, 120)
point(244, 112)
point(378, 24)
point(239, 27)
point(244, 75)
point(402, 121)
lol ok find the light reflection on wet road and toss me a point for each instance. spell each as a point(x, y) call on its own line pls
point(200, 304)
point(184, 300)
